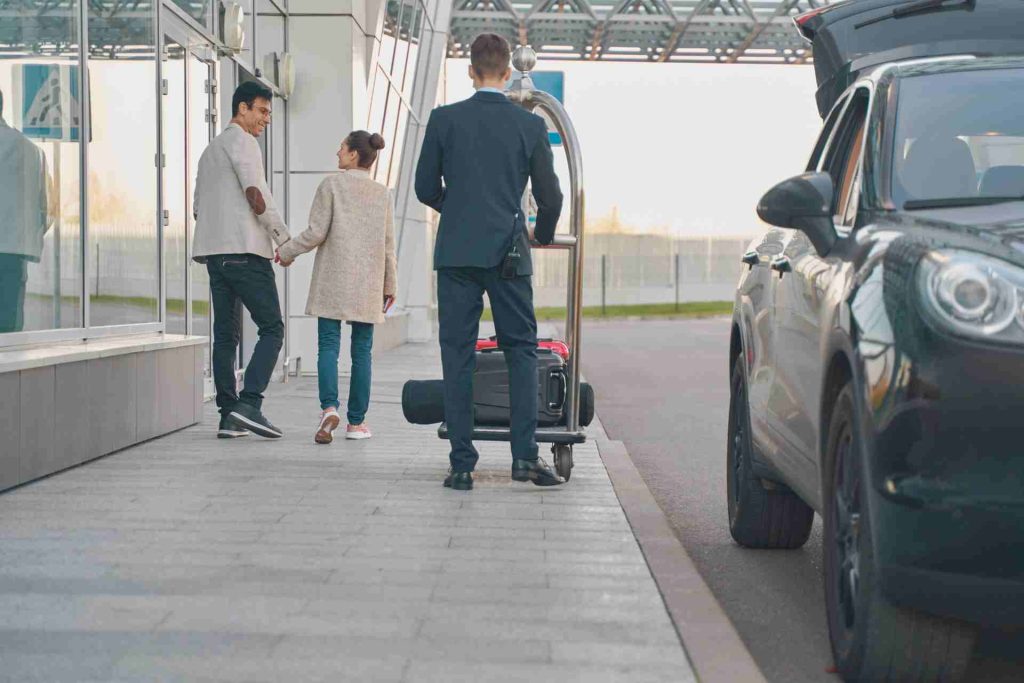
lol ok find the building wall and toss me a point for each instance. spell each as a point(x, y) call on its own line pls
point(362, 64)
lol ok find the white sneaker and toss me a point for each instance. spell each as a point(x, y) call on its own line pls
point(358, 432)
point(329, 421)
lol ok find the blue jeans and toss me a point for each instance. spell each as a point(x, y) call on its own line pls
point(329, 341)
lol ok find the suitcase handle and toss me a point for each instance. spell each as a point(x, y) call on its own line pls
point(563, 389)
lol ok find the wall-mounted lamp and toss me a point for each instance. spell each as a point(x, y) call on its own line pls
point(286, 74)
point(234, 25)
point(279, 69)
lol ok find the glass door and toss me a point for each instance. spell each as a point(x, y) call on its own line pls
point(189, 118)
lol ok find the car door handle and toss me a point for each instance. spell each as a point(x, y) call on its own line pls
point(782, 265)
point(751, 258)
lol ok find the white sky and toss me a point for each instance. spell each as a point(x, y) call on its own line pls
point(690, 147)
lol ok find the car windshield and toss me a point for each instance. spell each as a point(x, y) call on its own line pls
point(959, 138)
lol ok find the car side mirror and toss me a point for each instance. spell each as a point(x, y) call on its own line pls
point(803, 203)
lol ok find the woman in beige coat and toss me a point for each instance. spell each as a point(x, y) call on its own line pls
point(351, 225)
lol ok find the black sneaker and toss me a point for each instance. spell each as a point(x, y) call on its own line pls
point(245, 416)
point(229, 429)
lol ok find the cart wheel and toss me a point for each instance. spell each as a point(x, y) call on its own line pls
point(563, 460)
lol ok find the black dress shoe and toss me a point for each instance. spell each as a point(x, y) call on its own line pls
point(460, 481)
point(536, 471)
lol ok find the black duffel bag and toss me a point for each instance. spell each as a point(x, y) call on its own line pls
point(423, 402)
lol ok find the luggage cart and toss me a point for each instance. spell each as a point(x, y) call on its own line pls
point(561, 437)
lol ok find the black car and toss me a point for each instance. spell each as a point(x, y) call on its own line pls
point(877, 350)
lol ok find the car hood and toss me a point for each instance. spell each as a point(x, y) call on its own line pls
point(997, 229)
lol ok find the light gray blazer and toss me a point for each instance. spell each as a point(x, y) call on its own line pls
point(225, 223)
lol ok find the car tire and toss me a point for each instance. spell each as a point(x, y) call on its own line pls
point(873, 640)
point(759, 517)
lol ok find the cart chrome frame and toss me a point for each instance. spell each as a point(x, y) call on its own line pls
point(522, 92)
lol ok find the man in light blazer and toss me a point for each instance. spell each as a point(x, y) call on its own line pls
point(237, 225)
point(476, 159)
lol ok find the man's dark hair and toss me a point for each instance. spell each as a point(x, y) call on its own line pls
point(490, 55)
point(249, 92)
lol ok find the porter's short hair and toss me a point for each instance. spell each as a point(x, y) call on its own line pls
point(490, 55)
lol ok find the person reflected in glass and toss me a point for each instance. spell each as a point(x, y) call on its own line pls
point(351, 225)
point(237, 226)
point(24, 218)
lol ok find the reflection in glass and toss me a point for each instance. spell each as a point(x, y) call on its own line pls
point(388, 131)
point(123, 235)
point(396, 143)
point(40, 226)
point(175, 185)
point(402, 44)
point(200, 10)
point(388, 38)
point(246, 54)
point(414, 36)
point(198, 139)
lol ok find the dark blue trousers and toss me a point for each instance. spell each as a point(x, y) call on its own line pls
point(238, 280)
point(459, 305)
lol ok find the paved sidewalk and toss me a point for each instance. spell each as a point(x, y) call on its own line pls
point(193, 559)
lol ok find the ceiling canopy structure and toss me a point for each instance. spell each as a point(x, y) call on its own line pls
point(725, 31)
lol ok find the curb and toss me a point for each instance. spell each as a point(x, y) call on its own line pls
point(711, 642)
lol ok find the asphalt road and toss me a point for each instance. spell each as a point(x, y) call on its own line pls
point(662, 388)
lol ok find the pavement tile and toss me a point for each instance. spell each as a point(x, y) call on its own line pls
point(191, 559)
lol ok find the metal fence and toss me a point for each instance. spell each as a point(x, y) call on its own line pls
point(622, 269)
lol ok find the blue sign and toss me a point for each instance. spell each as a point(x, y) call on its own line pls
point(553, 83)
point(50, 101)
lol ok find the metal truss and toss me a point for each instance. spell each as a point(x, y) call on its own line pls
point(722, 31)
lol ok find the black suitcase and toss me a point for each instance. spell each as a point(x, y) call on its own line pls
point(491, 391)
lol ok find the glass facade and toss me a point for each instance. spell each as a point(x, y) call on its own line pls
point(394, 74)
point(40, 183)
point(123, 185)
point(99, 147)
point(105, 108)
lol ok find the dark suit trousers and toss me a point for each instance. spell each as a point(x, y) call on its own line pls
point(459, 305)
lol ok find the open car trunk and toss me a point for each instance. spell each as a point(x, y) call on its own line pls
point(853, 36)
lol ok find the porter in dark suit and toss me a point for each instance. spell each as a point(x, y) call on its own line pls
point(476, 159)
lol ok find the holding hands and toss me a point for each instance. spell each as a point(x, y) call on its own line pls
point(278, 259)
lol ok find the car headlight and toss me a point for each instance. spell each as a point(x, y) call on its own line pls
point(973, 294)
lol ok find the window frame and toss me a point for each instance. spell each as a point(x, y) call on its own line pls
point(841, 142)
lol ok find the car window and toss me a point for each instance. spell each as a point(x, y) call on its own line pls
point(959, 135)
point(849, 209)
point(843, 157)
point(826, 131)
point(851, 171)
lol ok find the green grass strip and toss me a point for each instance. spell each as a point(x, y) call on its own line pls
point(690, 309)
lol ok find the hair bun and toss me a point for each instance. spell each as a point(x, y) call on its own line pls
point(377, 141)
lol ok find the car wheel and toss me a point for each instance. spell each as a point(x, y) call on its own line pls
point(873, 640)
point(758, 517)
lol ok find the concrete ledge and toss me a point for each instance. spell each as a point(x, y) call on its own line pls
point(42, 355)
point(392, 333)
point(64, 404)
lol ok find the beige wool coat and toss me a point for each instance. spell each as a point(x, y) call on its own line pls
point(352, 223)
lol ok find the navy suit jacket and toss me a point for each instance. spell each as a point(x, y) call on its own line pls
point(477, 157)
